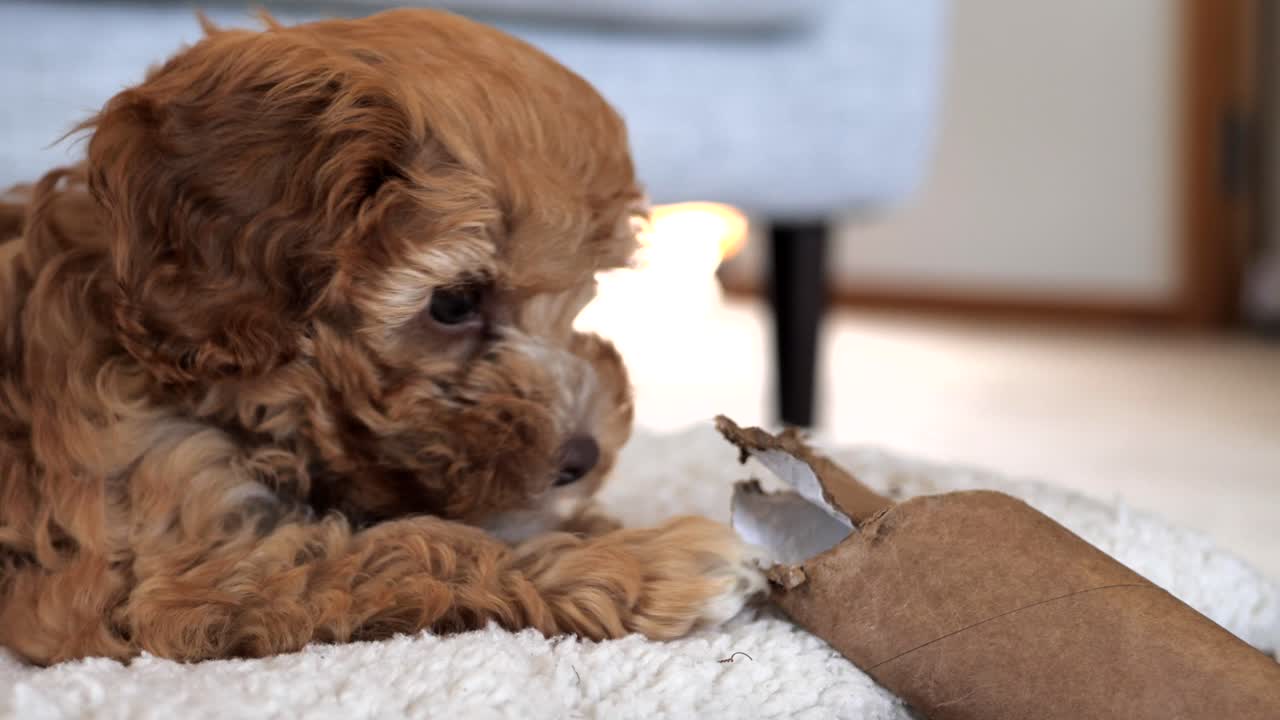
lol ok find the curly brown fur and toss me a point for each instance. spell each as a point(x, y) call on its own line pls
point(232, 423)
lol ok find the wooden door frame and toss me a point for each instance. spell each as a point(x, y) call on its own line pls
point(1220, 140)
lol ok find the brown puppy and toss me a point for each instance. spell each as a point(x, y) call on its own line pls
point(291, 358)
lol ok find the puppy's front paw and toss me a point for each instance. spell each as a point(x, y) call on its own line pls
point(697, 573)
point(590, 522)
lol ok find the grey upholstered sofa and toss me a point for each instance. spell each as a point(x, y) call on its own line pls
point(798, 111)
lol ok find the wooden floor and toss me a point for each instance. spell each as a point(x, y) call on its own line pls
point(1182, 425)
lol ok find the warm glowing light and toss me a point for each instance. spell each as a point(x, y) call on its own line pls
point(696, 223)
point(673, 280)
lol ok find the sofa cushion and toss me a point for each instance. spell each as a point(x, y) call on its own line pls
point(801, 124)
point(656, 14)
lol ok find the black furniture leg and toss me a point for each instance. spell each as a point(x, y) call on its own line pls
point(798, 292)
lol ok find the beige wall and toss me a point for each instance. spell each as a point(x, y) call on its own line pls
point(1057, 164)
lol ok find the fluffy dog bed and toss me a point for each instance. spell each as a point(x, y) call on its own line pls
point(759, 666)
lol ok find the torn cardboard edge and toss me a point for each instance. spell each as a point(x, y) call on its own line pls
point(823, 508)
point(974, 605)
point(814, 476)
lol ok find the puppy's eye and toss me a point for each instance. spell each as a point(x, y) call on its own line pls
point(453, 306)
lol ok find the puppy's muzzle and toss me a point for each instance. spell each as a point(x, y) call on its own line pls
point(578, 457)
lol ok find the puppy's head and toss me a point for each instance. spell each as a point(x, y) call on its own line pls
point(368, 240)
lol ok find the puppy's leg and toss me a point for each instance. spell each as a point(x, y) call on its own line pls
point(320, 581)
point(220, 568)
point(661, 582)
point(590, 521)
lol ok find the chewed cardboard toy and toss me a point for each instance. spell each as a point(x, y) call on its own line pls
point(973, 605)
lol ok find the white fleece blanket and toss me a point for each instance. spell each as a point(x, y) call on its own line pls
point(759, 666)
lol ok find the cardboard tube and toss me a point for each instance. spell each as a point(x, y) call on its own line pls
point(975, 605)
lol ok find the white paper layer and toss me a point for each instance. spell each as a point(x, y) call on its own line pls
point(797, 473)
point(785, 523)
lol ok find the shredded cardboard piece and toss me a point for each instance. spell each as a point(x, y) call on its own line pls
point(787, 577)
point(815, 477)
point(793, 526)
point(800, 477)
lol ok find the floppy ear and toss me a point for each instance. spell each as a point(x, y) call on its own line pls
point(227, 177)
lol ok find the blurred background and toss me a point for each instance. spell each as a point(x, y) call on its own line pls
point(1035, 236)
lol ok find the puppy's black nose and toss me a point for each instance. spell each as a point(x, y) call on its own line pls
point(578, 456)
